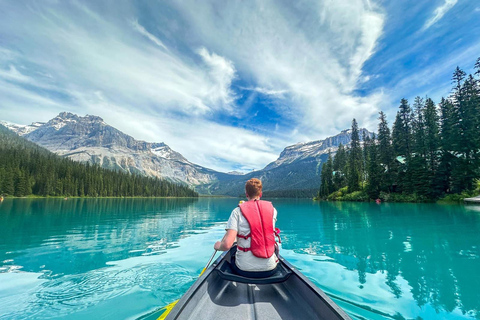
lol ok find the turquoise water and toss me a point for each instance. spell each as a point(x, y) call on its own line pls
point(122, 258)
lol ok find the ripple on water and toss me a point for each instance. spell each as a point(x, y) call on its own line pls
point(69, 294)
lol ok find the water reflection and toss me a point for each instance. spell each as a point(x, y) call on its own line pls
point(89, 257)
point(432, 247)
point(78, 235)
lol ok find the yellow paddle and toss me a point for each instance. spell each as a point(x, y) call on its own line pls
point(169, 307)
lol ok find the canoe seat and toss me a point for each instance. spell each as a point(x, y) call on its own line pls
point(225, 271)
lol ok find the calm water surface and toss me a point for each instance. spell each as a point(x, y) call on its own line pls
point(122, 258)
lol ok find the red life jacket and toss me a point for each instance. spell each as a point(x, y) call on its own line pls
point(259, 215)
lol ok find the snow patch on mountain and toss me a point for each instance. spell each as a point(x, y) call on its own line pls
point(90, 139)
point(21, 129)
point(314, 149)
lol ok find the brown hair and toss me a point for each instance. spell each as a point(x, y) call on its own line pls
point(253, 187)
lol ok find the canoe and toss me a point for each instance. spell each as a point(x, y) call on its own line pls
point(219, 293)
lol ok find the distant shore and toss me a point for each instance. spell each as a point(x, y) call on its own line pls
point(76, 197)
point(401, 198)
point(472, 200)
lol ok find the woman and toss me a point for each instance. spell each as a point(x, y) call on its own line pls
point(252, 225)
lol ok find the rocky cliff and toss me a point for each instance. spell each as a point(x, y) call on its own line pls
point(90, 139)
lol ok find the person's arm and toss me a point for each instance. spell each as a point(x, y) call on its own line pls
point(227, 241)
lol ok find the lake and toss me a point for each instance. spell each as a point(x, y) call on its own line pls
point(122, 258)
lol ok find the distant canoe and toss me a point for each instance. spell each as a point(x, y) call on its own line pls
point(221, 294)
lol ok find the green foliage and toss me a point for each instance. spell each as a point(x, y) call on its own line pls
point(402, 197)
point(432, 152)
point(337, 195)
point(402, 130)
point(356, 196)
point(295, 193)
point(387, 171)
point(343, 195)
point(354, 160)
point(457, 197)
point(339, 166)
point(327, 185)
point(27, 169)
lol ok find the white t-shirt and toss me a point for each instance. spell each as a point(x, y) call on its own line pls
point(246, 261)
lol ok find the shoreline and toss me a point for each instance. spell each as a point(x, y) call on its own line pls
point(472, 200)
point(76, 197)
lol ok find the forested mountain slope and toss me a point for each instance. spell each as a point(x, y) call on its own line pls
point(90, 139)
point(28, 169)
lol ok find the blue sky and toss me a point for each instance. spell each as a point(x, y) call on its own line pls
point(229, 84)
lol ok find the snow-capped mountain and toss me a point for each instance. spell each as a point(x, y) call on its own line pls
point(314, 149)
point(20, 129)
point(90, 139)
point(297, 168)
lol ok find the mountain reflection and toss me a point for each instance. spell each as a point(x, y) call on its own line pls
point(84, 234)
point(428, 245)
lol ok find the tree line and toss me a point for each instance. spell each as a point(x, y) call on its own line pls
point(432, 150)
point(27, 169)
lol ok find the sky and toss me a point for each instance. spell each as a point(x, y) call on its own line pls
point(230, 84)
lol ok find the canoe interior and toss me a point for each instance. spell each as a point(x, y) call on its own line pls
point(212, 297)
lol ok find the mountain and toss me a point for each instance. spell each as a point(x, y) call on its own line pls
point(28, 169)
point(297, 168)
point(90, 139)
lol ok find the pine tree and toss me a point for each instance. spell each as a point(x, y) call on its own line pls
point(402, 130)
point(326, 185)
point(354, 160)
point(419, 128)
point(366, 143)
point(447, 157)
point(402, 145)
point(374, 170)
point(387, 173)
point(432, 146)
point(465, 131)
point(26, 168)
point(339, 168)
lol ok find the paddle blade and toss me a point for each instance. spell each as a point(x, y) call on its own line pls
point(167, 310)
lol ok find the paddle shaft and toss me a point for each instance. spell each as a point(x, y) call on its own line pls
point(211, 258)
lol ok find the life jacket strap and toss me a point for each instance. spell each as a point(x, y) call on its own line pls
point(277, 234)
point(243, 249)
point(244, 236)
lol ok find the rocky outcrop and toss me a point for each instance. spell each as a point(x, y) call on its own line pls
point(90, 139)
point(297, 168)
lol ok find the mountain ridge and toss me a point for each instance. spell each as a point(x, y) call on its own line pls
point(90, 139)
point(297, 168)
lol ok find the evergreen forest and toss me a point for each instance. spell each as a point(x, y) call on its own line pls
point(27, 169)
point(431, 152)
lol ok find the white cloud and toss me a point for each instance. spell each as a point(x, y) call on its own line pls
point(165, 81)
point(147, 34)
point(201, 141)
point(314, 53)
point(222, 73)
point(439, 13)
point(268, 92)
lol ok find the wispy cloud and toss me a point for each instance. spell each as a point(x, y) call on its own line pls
point(177, 77)
point(439, 13)
point(221, 72)
point(147, 34)
point(315, 52)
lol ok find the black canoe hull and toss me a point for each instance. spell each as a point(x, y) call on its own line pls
point(213, 297)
